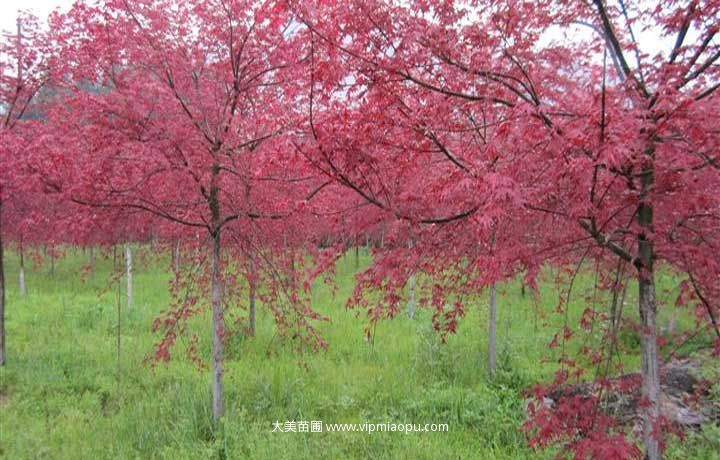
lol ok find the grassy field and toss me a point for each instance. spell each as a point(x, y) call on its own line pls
point(65, 395)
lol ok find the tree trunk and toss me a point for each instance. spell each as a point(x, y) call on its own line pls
point(251, 313)
point(119, 323)
point(92, 261)
point(197, 246)
point(492, 326)
point(21, 275)
point(176, 256)
point(128, 274)
point(650, 367)
point(411, 301)
point(2, 294)
point(251, 294)
point(218, 405)
point(216, 287)
point(52, 262)
point(672, 324)
point(648, 317)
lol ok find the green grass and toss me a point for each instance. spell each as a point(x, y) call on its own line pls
point(64, 395)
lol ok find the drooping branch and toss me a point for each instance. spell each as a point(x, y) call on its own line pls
point(702, 298)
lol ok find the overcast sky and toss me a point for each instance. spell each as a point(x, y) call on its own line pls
point(40, 8)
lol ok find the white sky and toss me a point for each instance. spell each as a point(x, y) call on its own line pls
point(40, 8)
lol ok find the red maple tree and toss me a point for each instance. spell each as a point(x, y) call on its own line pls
point(474, 113)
